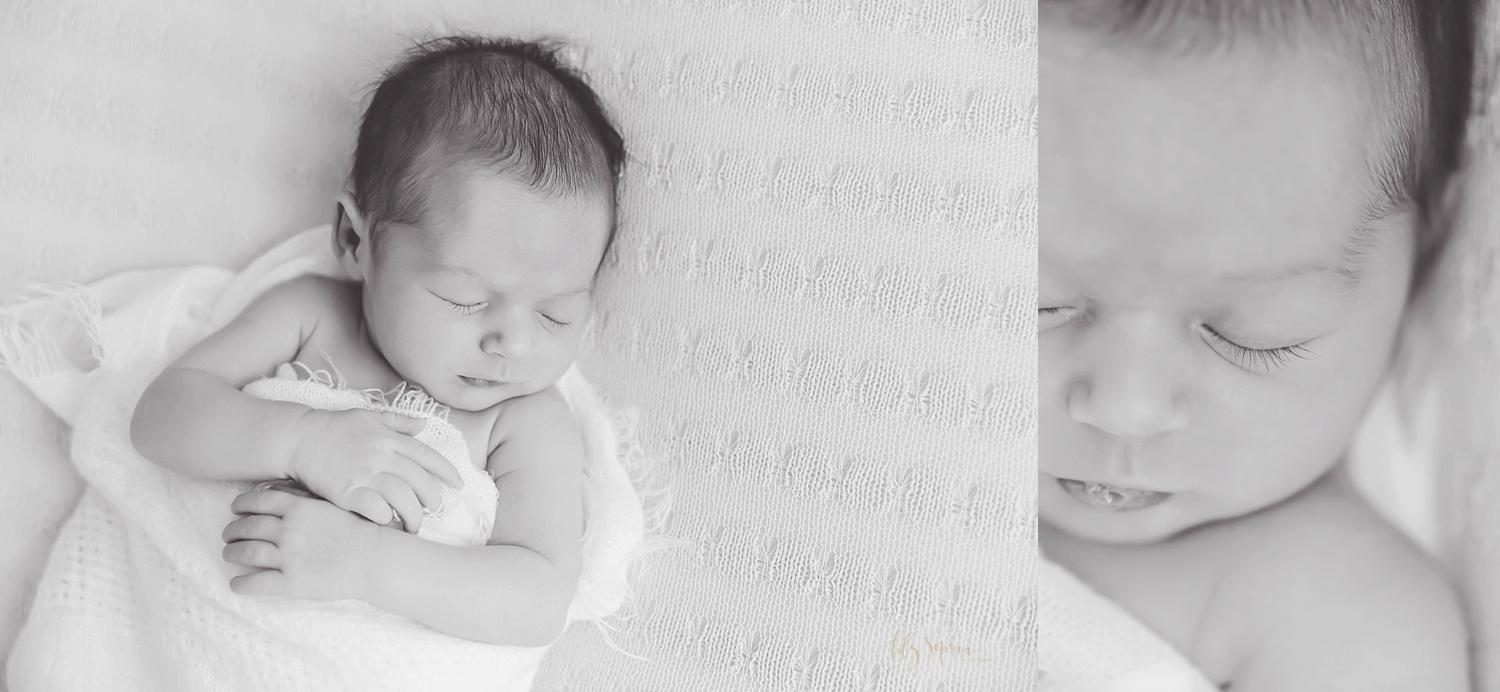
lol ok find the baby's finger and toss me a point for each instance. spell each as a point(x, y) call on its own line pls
point(263, 583)
point(370, 505)
point(406, 425)
point(400, 497)
point(290, 487)
point(253, 554)
point(267, 501)
point(429, 458)
point(259, 527)
point(428, 492)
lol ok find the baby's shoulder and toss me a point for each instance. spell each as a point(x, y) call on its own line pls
point(546, 408)
point(312, 291)
point(1323, 582)
point(543, 419)
point(1332, 533)
point(309, 297)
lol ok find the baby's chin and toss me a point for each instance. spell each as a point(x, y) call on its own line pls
point(1112, 532)
point(458, 399)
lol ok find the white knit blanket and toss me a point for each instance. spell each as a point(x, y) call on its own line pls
point(1088, 643)
point(135, 595)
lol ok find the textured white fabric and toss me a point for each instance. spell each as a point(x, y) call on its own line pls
point(1447, 382)
point(1088, 643)
point(821, 301)
point(135, 595)
point(466, 515)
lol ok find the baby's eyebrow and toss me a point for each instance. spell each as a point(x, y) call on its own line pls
point(1366, 235)
point(1350, 272)
point(1349, 269)
point(467, 271)
point(1346, 271)
point(1356, 249)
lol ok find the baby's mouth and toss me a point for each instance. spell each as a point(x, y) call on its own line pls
point(478, 382)
point(1111, 498)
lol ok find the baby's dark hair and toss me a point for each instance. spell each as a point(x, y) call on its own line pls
point(1419, 54)
point(498, 104)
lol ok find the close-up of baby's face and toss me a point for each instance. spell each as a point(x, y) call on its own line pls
point(1221, 280)
point(491, 301)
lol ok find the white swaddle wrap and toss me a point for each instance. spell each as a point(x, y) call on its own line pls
point(1088, 643)
point(135, 594)
point(466, 515)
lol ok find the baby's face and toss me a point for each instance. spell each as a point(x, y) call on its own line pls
point(490, 302)
point(1210, 328)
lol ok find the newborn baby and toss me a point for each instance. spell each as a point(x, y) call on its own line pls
point(1237, 200)
point(479, 208)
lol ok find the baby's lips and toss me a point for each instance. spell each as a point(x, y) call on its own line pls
point(1110, 498)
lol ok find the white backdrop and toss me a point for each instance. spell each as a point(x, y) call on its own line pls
point(1450, 381)
point(821, 302)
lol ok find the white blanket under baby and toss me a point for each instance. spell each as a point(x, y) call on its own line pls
point(135, 594)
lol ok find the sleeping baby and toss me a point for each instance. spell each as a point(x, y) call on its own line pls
point(425, 461)
point(1237, 199)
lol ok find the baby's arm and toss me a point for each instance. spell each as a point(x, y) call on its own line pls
point(517, 589)
point(193, 418)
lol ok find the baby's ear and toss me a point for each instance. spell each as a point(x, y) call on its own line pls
point(351, 237)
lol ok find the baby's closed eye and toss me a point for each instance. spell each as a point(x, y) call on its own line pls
point(1258, 359)
point(554, 321)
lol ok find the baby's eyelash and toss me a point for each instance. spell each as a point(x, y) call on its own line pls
point(554, 322)
point(464, 309)
point(1052, 317)
point(1258, 358)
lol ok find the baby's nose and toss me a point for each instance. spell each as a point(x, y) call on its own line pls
point(1131, 388)
point(511, 341)
point(1127, 406)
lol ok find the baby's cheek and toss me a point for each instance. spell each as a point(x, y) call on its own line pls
point(1348, 369)
point(1312, 425)
point(558, 359)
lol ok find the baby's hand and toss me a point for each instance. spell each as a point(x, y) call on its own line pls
point(302, 547)
point(368, 463)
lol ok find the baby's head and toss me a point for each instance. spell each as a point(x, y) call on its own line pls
point(479, 209)
point(1237, 197)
